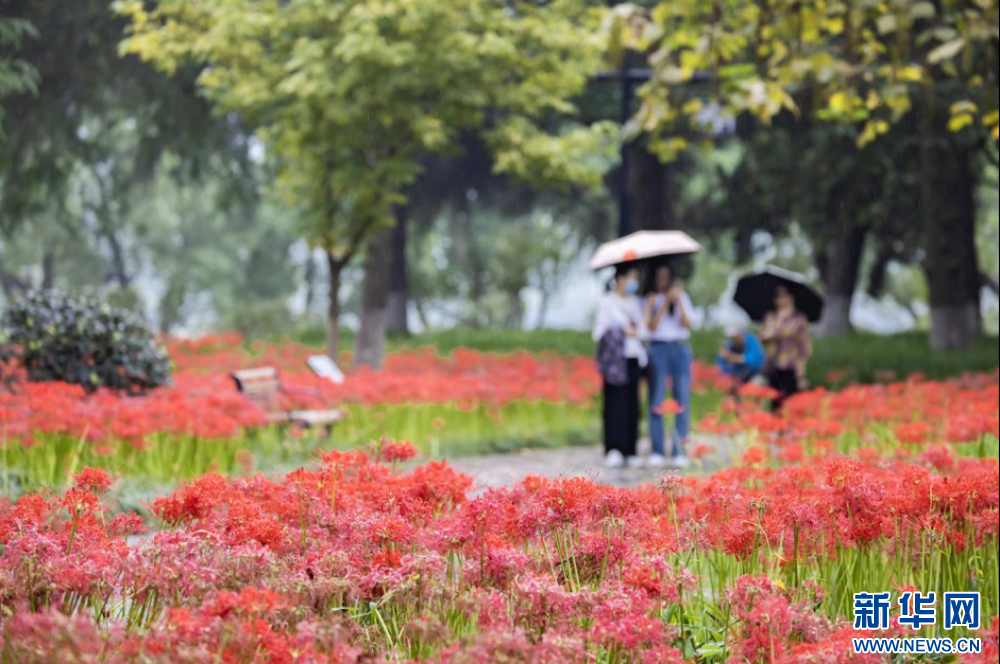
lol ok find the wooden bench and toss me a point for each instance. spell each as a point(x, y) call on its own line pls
point(263, 386)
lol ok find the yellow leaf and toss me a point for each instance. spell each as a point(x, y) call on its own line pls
point(992, 119)
point(964, 107)
point(996, 132)
point(910, 74)
point(960, 122)
point(833, 25)
point(840, 102)
point(692, 107)
point(873, 101)
point(873, 129)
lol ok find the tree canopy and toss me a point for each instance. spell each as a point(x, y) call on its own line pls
point(349, 95)
point(857, 61)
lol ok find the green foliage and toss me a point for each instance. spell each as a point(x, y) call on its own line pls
point(349, 95)
point(863, 62)
point(212, 257)
point(16, 75)
point(477, 264)
point(260, 318)
point(57, 338)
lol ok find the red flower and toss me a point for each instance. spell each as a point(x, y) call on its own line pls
point(93, 479)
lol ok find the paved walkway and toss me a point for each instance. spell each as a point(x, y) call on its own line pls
point(507, 469)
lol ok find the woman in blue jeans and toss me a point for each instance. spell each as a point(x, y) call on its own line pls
point(668, 316)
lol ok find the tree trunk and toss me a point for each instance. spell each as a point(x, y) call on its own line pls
point(49, 269)
point(543, 305)
point(119, 273)
point(647, 184)
point(948, 208)
point(310, 279)
point(743, 246)
point(336, 268)
point(399, 285)
point(841, 263)
point(879, 277)
point(515, 310)
point(370, 349)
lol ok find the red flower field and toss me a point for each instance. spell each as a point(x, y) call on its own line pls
point(362, 556)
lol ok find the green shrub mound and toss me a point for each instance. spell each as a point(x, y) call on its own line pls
point(81, 341)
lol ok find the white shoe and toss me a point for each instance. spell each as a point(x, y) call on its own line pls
point(614, 459)
point(635, 462)
point(680, 462)
point(656, 461)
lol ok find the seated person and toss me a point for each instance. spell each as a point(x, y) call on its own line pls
point(741, 356)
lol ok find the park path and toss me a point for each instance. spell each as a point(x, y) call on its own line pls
point(495, 470)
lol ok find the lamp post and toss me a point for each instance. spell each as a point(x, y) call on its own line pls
point(628, 78)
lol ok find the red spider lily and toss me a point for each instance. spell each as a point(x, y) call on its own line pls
point(392, 452)
point(252, 565)
point(754, 391)
point(701, 450)
point(96, 480)
point(669, 407)
point(354, 560)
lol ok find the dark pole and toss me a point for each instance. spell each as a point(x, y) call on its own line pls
point(629, 77)
point(624, 220)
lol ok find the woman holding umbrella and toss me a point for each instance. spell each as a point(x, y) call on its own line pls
point(668, 316)
point(619, 331)
point(786, 304)
point(785, 333)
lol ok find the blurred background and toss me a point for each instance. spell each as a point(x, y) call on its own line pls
point(138, 181)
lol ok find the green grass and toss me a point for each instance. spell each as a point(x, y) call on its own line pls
point(859, 357)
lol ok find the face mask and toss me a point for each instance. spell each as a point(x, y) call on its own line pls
point(631, 287)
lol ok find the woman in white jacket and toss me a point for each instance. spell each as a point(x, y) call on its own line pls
point(619, 320)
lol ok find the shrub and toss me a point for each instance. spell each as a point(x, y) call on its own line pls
point(81, 341)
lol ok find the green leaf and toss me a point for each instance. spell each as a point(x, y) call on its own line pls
point(886, 24)
point(946, 51)
point(923, 10)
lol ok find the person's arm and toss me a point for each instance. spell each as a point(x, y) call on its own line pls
point(754, 355)
point(767, 328)
point(649, 314)
point(683, 302)
point(640, 325)
point(804, 344)
point(658, 314)
point(601, 319)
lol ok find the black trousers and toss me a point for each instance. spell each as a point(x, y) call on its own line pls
point(786, 383)
point(621, 413)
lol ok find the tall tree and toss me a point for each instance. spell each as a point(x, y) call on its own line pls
point(349, 95)
point(89, 133)
point(872, 64)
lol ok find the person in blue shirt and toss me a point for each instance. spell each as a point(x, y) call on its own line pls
point(741, 356)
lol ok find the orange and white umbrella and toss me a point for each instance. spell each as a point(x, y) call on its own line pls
point(641, 245)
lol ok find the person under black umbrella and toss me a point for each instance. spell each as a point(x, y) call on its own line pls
point(785, 334)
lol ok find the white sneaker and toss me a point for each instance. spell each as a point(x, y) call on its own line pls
point(614, 459)
point(656, 461)
point(680, 462)
point(635, 462)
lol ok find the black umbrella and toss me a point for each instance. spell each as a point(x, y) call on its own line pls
point(755, 293)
